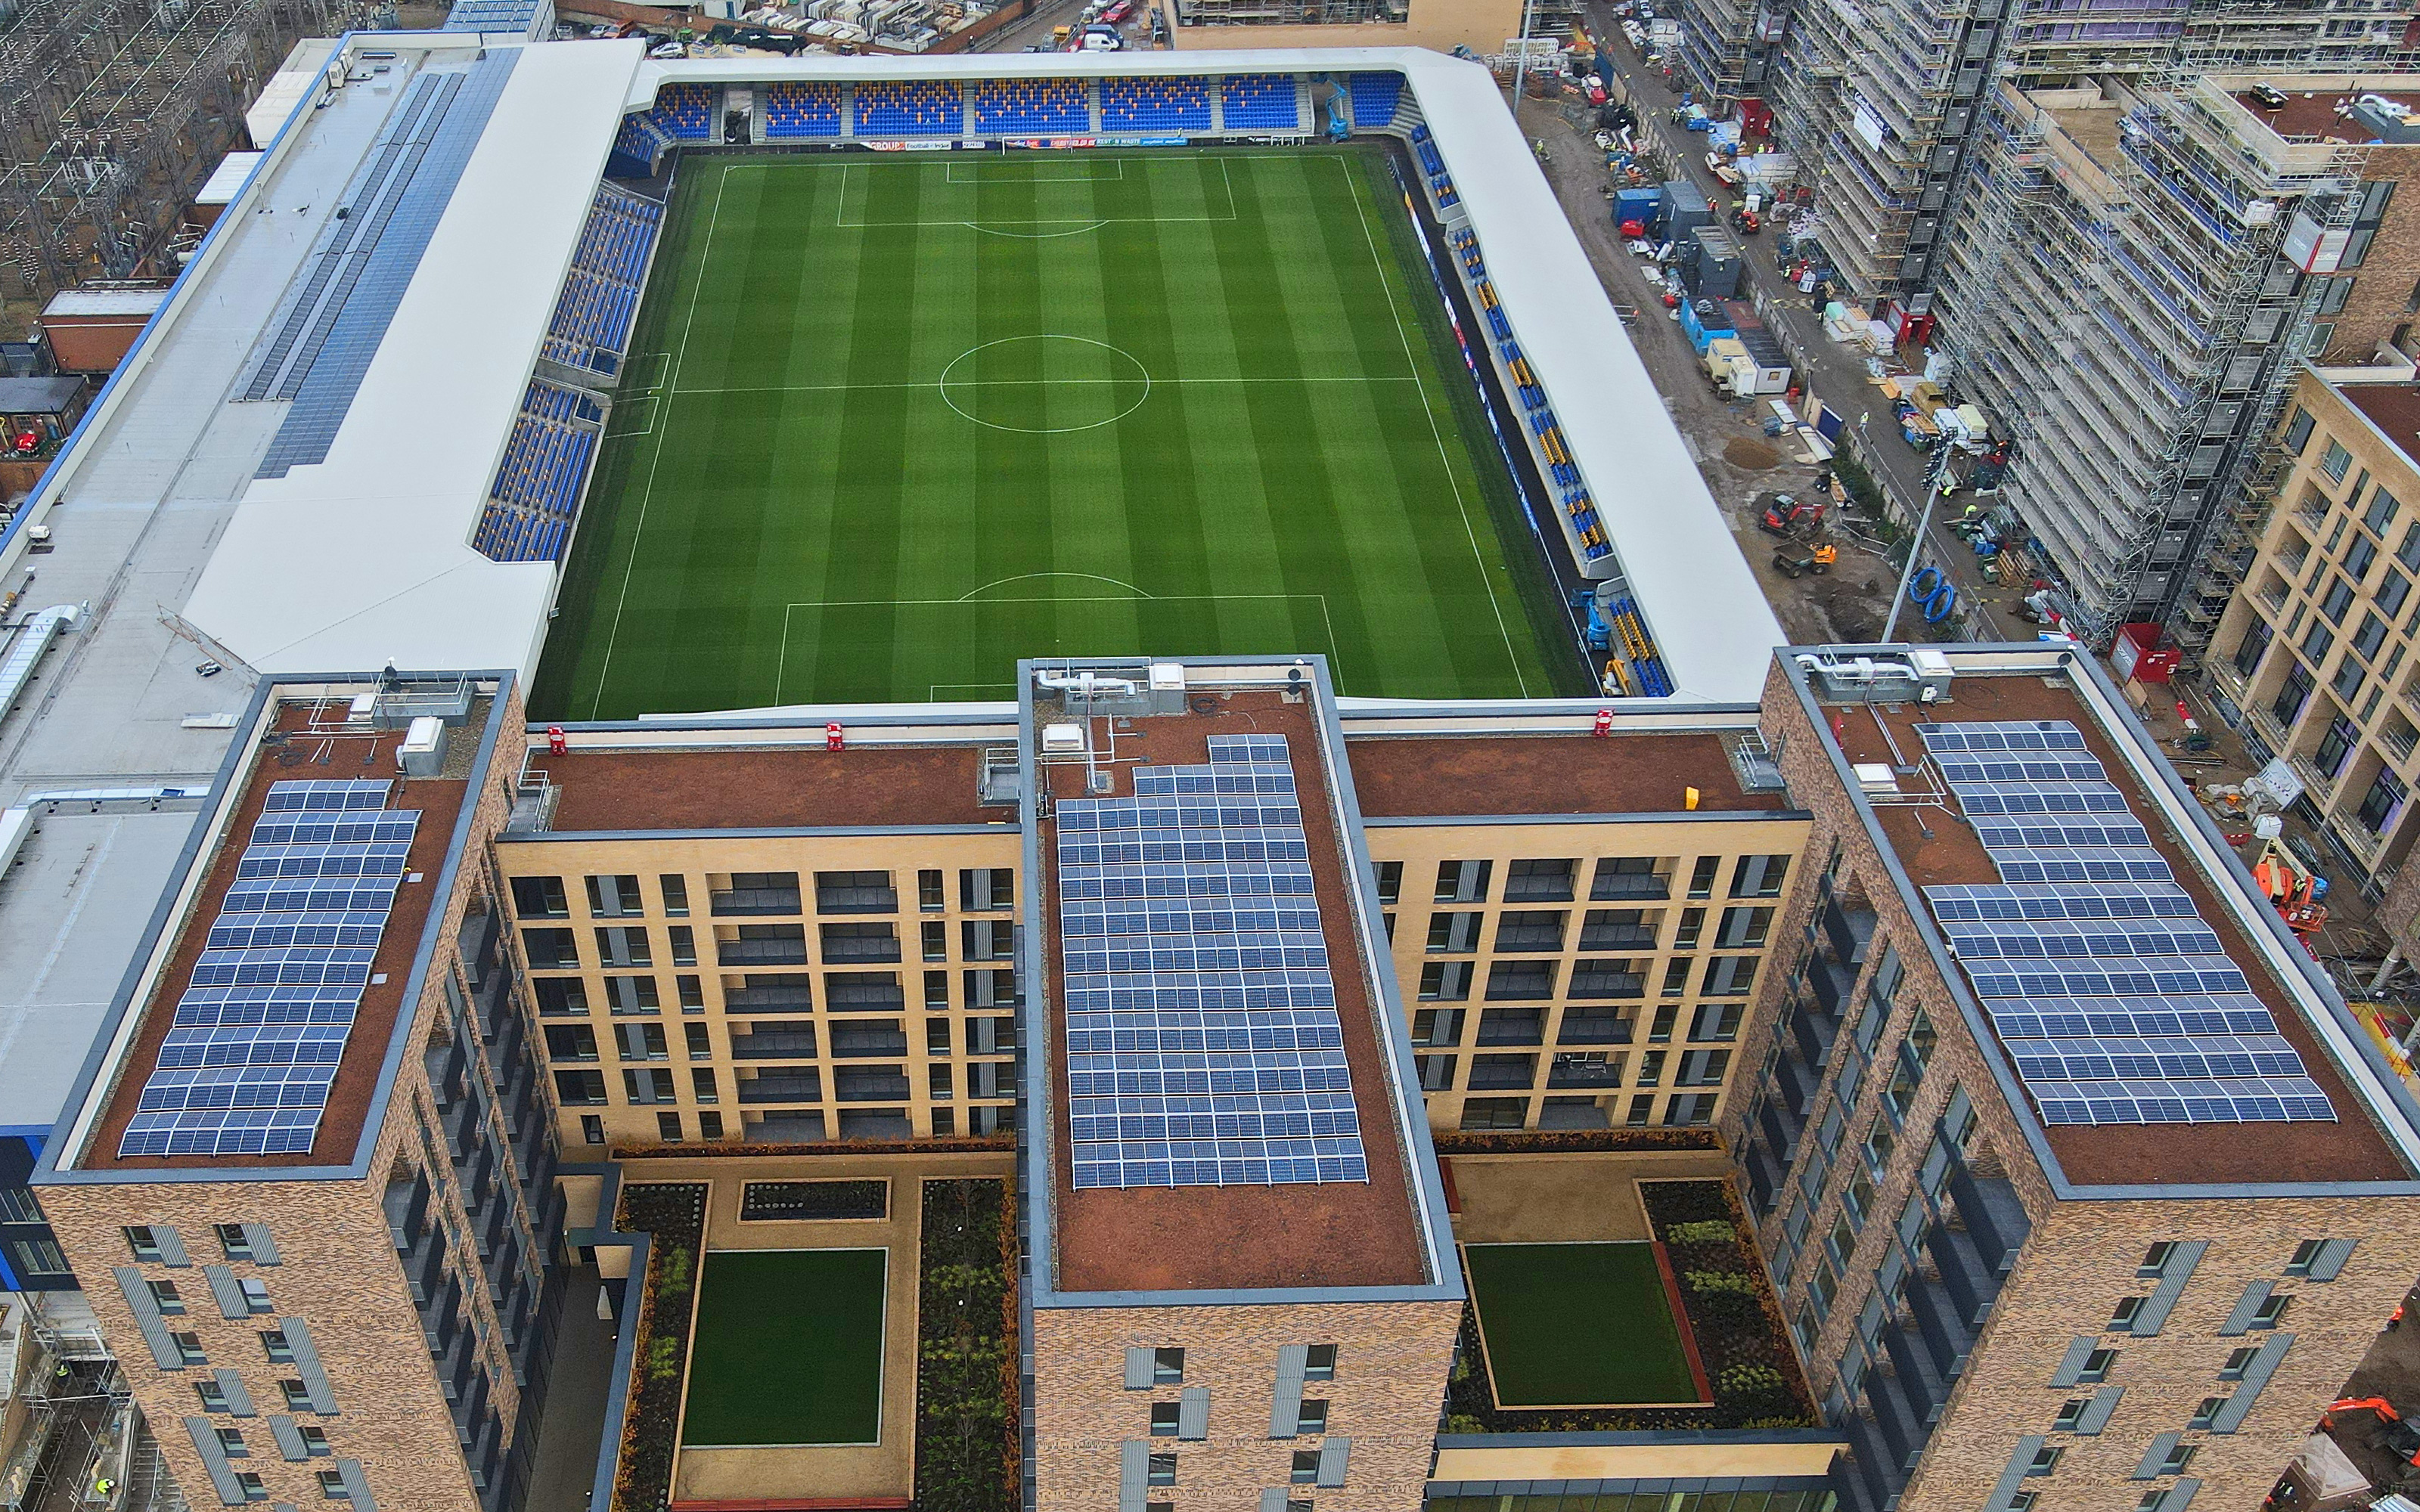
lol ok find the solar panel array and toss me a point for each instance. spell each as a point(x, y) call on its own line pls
point(2118, 1003)
point(1203, 1047)
point(254, 1047)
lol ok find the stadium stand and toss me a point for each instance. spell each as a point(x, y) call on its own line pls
point(686, 110)
point(793, 110)
point(537, 494)
point(600, 295)
point(1154, 104)
point(1374, 97)
point(1260, 102)
point(909, 107)
point(1433, 165)
point(1039, 107)
point(642, 140)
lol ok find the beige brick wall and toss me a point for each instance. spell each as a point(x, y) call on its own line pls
point(1390, 1373)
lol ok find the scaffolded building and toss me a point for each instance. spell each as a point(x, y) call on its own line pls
point(112, 112)
point(2131, 277)
point(1883, 101)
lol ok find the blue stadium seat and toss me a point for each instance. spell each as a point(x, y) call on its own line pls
point(1033, 107)
point(686, 110)
point(1374, 97)
point(795, 110)
point(600, 301)
point(909, 107)
point(1260, 102)
point(1154, 104)
point(537, 493)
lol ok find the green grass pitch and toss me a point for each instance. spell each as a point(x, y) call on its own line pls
point(1577, 1325)
point(787, 1349)
point(892, 421)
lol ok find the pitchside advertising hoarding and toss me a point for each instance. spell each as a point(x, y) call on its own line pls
point(976, 144)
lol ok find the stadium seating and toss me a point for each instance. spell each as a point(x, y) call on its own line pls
point(909, 107)
point(600, 295)
point(1033, 107)
point(1260, 102)
point(1154, 104)
point(643, 139)
point(1374, 97)
point(537, 494)
point(793, 110)
point(686, 110)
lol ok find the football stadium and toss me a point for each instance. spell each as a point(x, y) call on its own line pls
point(709, 385)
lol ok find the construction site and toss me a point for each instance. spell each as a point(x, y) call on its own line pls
point(2132, 274)
point(70, 1439)
point(114, 112)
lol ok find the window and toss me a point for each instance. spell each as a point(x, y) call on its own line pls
point(2155, 1259)
point(2070, 1413)
point(2335, 746)
point(1454, 934)
point(1495, 1112)
point(231, 1443)
point(298, 1396)
point(1691, 929)
point(2122, 1316)
point(1463, 881)
point(2238, 1361)
point(2179, 1459)
point(1163, 1420)
point(710, 1125)
point(189, 1349)
point(1313, 1416)
point(1306, 1467)
point(675, 888)
point(1701, 879)
point(2298, 426)
point(2272, 1309)
point(2046, 1459)
point(2253, 646)
point(2339, 599)
point(2292, 695)
point(1759, 876)
point(540, 898)
point(1445, 981)
point(614, 897)
point(2097, 1367)
point(252, 1486)
point(1163, 1471)
point(1743, 928)
point(211, 1398)
point(592, 1128)
point(580, 1088)
point(232, 1241)
point(2335, 460)
point(931, 893)
point(165, 1297)
point(145, 1243)
point(2362, 554)
point(668, 1127)
point(2204, 1414)
point(1168, 1367)
point(332, 1485)
point(1319, 1363)
point(2305, 1254)
point(256, 1295)
point(988, 889)
point(273, 1345)
point(1390, 882)
point(2378, 806)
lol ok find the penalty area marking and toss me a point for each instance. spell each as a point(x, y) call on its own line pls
point(849, 177)
point(782, 661)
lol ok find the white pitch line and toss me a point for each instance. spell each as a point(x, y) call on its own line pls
point(984, 383)
point(671, 381)
point(1444, 457)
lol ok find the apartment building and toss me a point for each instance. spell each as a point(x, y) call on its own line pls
point(2137, 273)
point(2056, 1222)
point(1579, 953)
point(1242, 1283)
point(1482, 25)
point(734, 937)
point(306, 1174)
point(2309, 659)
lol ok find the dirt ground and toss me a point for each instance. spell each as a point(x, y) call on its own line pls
point(1563, 1198)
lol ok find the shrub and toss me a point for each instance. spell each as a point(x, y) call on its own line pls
point(966, 1375)
point(1739, 1282)
point(1747, 1380)
point(1699, 1232)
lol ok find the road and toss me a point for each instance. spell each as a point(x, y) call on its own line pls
point(1852, 605)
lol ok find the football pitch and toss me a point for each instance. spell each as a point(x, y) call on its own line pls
point(892, 421)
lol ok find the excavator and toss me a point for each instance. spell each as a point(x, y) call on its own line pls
point(2394, 1436)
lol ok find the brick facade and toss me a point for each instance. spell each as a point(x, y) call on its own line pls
point(1392, 1359)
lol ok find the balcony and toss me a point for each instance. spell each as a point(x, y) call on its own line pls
point(1582, 1073)
point(1617, 937)
point(1622, 886)
point(798, 999)
point(760, 952)
point(745, 903)
point(796, 1086)
point(774, 1044)
point(868, 1041)
point(1516, 1026)
point(1493, 1073)
point(1593, 1029)
point(861, 949)
point(870, 1083)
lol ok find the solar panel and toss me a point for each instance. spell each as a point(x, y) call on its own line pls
point(1203, 1042)
point(261, 1024)
point(2117, 1002)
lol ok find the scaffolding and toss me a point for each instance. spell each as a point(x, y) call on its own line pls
point(2119, 303)
point(114, 112)
point(80, 1444)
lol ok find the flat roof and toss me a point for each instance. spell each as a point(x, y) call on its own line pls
point(1423, 776)
point(1213, 1238)
point(1936, 850)
point(118, 301)
point(2326, 114)
point(863, 787)
point(2393, 408)
point(306, 739)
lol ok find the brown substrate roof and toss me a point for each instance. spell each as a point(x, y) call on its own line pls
point(1167, 1239)
point(317, 758)
point(1455, 775)
point(792, 788)
point(2349, 1149)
